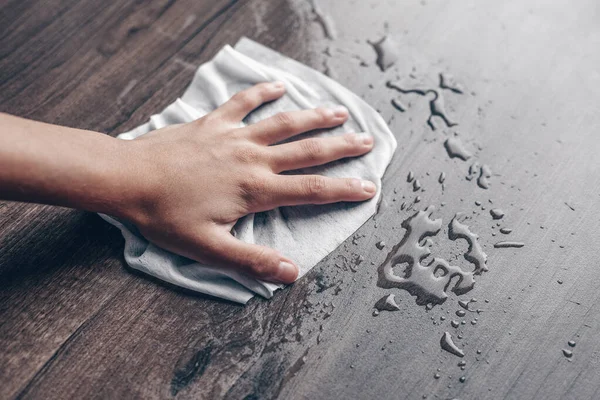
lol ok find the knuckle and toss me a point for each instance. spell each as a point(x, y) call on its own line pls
point(208, 119)
point(285, 121)
point(314, 185)
point(253, 186)
point(247, 154)
point(313, 149)
point(246, 98)
point(322, 115)
point(258, 263)
point(211, 119)
point(258, 270)
point(350, 139)
point(352, 184)
point(263, 89)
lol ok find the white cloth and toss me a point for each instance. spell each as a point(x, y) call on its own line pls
point(305, 234)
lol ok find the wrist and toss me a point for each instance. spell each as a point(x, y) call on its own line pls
point(131, 182)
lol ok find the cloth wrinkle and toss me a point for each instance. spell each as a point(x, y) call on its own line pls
point(306, 233)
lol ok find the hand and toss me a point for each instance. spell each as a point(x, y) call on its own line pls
point(198, 179)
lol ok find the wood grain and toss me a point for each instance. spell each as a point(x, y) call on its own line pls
point(75, 322)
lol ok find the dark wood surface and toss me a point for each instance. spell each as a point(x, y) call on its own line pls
point(75, 322)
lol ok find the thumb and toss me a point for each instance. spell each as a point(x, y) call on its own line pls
point(261, 262)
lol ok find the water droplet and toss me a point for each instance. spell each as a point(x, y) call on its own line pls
point(454, 324)
point(437, 109)
point(464, 304)
point(456, 149)
point(475, 254)
point(473, 169)
point(442, 177)
point(417, 199)
point(560, 282)
point(375, 313)
point(387, 303)
point(324, 20)
point(386, 52)
point(448, 82)
point(496, 213)
point(503, 245)
point(436, 376)
point(416, 185)
point(448, 345)
point(462, 363)
point(485, 173)
point(460, 313)
point(462, 379)
point(410, 177)
point(428, 283)
point(571, 343)
point(398, 106)
point(436, 103)
point(380, 245)
point(505, 231)
point(567, 353)
point(477, 203)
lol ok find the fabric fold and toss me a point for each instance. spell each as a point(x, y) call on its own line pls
point(290, 230)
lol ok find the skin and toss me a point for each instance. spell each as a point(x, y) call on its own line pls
point(185, 186)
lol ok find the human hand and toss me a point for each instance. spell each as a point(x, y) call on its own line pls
point(197, 179)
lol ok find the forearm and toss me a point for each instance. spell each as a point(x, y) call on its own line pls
point(50, 164)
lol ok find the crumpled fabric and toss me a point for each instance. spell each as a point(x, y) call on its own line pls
point(306, 234)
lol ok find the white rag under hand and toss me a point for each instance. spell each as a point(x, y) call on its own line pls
point(305, 234)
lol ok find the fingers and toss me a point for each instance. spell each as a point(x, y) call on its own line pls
point(291, 190)
point(318, 151)
point(258, 261)
point(244, 102)
point(287, 124)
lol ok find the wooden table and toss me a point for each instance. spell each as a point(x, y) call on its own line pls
point(75, 322)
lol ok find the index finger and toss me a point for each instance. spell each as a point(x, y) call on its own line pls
point(243, 103)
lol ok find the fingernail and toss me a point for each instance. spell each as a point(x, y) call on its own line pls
point(368, 187)
point(286, 273)
point(339, 111)
point(365, 137)
point(278, 85)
